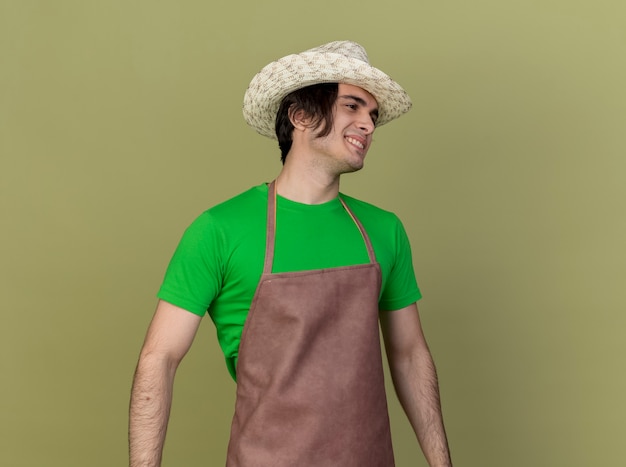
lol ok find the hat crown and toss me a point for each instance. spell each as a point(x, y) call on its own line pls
point(348, 49)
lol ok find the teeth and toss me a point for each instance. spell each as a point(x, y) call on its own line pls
point(355, 142)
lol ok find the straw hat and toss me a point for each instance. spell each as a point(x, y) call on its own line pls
point(335, 62)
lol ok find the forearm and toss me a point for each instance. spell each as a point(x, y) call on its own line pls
point(415, 381)
point(150, 403)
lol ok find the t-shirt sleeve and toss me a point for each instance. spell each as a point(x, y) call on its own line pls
point(194, 275)
point(401, 287)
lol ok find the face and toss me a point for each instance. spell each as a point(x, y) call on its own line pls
point(345, 147)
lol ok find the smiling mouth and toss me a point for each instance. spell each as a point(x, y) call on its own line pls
point(355, 142)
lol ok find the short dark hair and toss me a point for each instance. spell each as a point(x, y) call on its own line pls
point(317, 101)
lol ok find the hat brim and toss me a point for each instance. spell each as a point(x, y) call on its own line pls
point(276, 80)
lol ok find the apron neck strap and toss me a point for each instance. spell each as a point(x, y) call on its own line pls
point(271, 229)
point(366, 238)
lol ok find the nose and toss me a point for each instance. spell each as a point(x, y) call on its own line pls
point(366, 124)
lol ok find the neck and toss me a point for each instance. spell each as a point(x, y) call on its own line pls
point(308, 187)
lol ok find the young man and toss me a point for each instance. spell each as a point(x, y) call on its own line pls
point(296, 277)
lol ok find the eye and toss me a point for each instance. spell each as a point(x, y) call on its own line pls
point(352, 106)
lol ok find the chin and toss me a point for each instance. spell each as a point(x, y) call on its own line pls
point(353, 168)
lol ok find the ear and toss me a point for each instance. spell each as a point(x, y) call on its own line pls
point(299, 119)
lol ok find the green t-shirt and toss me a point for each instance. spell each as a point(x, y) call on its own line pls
point(219, 261)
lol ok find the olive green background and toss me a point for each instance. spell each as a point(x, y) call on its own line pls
point(120, 121)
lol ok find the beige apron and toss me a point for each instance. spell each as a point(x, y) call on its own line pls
point(310, 389)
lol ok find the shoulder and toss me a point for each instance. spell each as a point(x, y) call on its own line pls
point(367, 212)
point(384, 227)
point(243, 203)
point(239, 211)
point(237, 208)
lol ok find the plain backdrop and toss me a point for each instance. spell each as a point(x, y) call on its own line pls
point(120, 122)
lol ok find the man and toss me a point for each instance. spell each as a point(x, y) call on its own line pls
point(296, 277)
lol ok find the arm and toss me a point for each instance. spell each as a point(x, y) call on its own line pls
point(169, 337)
point(415, 380)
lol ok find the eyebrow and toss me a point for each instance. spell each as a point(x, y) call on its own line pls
point(360, 101)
